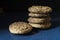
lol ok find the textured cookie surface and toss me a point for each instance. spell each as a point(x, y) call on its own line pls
point(20, 28)
point(40, 9)
point(37, 15)
point(42, 26)
point(39, 20)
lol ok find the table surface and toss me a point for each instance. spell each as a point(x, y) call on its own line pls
point(37, 34)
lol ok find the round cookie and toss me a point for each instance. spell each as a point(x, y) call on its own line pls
point(40, 9)
point(20, 28)
point(39, 20)
point(38, 15)
point(42, 26)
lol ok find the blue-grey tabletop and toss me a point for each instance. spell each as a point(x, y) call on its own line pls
point(37, 34)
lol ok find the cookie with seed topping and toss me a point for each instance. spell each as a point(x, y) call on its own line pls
point(38, 20)
point(20, 28)
point(41, 26)
point(40, 9)
point(38, 15)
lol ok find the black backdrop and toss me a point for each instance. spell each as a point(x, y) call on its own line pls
point(17, 10)
point(22, 5)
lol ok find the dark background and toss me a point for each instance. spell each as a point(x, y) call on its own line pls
point(22, 5)
point(17, 10)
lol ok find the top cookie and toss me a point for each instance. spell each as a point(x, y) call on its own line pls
point(40, 9)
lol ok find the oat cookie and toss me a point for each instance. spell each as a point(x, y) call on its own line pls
point(39, 20)
point(42, 26)
point(40, 9)
point(20, 28)
point(38, 15)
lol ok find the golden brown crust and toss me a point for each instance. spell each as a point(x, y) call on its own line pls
point(19, 28)
point(40, 9)
point(39, 20)
point(41, 26)
point(38, 15)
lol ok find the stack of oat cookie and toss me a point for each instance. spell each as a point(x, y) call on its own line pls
point(39, 16)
